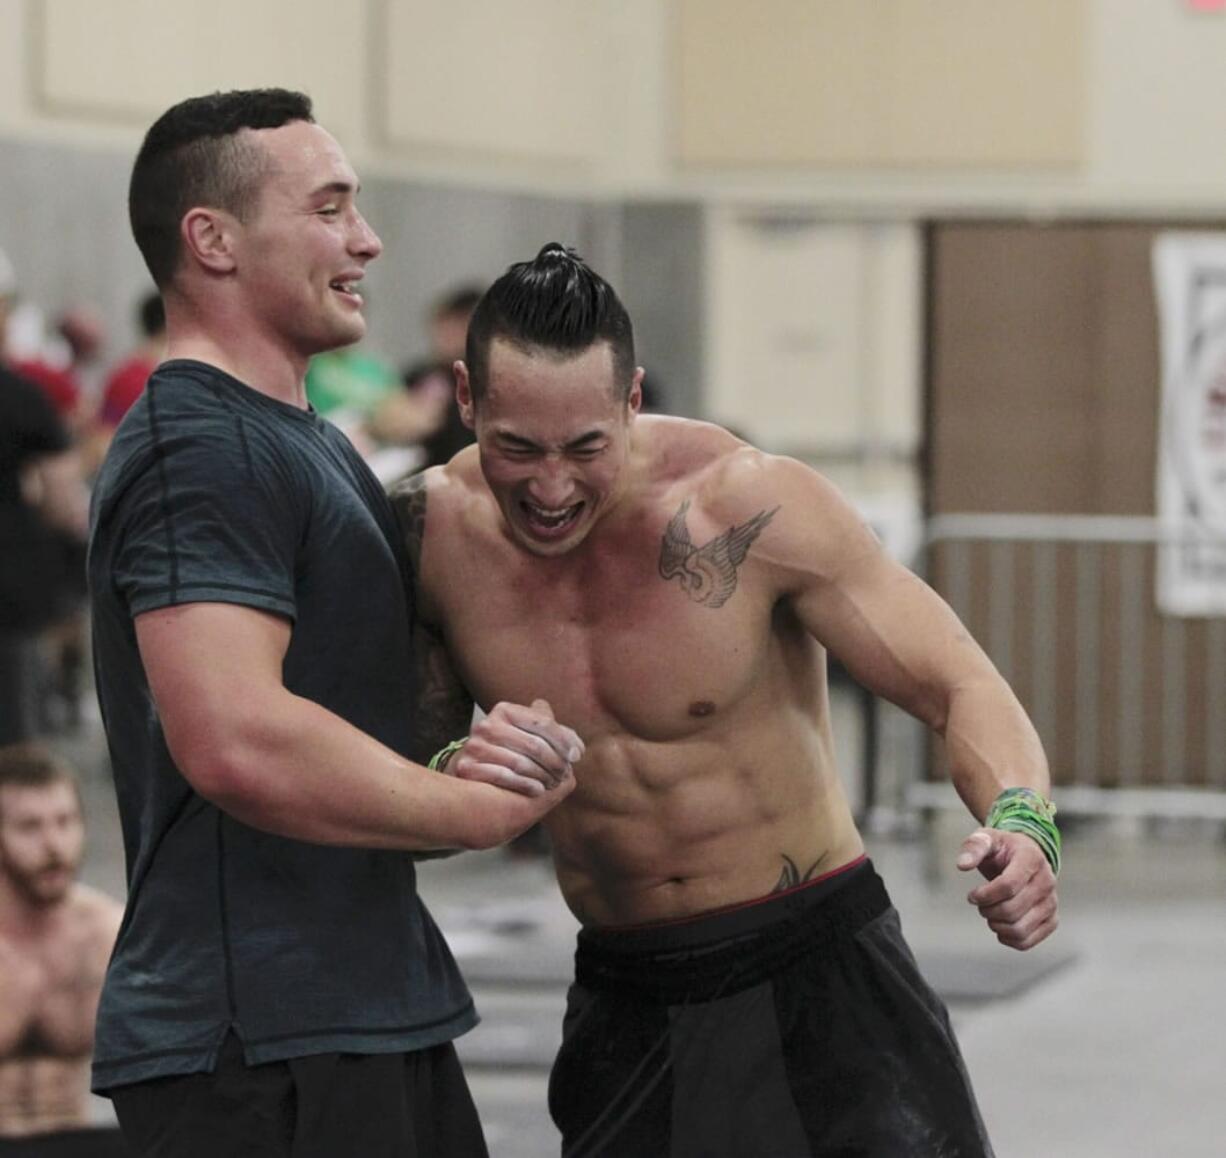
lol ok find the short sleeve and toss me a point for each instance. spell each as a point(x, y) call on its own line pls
point(211, 516)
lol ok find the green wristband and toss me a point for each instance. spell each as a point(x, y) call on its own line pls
point(1027, 811)
point(439, 760)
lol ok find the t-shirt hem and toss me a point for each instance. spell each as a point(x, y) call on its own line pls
point(212, 593)
point(109, 1074)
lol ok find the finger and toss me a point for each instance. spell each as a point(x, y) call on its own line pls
point(540, 722)
point(502, 777)
point(1004, 887)
point(1014, 939)
point(545, 767)
point(506, 744)
point(1023, 924)
point(975, 848)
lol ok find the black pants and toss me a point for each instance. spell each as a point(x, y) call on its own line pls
point(413, 1105)
point(796, 1027)
point(92, 1142)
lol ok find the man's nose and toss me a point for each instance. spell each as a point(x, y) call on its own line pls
point(552, 485)
point(365, 241)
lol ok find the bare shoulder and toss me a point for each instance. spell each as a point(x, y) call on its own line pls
point(97, 916)
point(799, 522)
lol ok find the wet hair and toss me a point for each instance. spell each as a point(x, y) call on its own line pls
point(33, 765)
point(151, 314)
point(194, 155)
point(556, 303)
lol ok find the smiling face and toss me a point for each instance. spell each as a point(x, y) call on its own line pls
point(554, 436)
point(42, 837)
point(305, 247)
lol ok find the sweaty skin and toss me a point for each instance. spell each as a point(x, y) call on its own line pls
point(51, 973)
point(671, 592)
point(709, 775)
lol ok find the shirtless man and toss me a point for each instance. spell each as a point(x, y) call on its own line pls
point(742, 985)
point(55, 938)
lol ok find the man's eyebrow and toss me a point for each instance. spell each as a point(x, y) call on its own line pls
point(336, 187)
point(585, 439)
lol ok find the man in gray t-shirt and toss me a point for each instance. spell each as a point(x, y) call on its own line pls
point(276, 978)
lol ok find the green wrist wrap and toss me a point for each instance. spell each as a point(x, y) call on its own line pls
point(439, 760)
point(1025, 810)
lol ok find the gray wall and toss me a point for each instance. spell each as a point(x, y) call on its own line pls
point(63, 222)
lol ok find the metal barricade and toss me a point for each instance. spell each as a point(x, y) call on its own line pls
point(1130, 703)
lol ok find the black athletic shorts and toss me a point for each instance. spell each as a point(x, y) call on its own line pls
point(90, 1142)
point(797, 1026)
point(335, 1105)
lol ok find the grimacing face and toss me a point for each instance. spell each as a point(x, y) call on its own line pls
point(42, 840)
point(554, 438)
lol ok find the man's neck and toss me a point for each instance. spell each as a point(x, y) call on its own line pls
point(21, 918)
point(261, 366)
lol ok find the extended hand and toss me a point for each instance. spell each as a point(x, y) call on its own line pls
point(1019, 900)
point(523, 749)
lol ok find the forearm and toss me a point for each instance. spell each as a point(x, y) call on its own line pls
point(991, 744)
point(298, 770)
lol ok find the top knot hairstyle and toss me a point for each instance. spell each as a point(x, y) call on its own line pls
point(193, 155)
point(555, 303)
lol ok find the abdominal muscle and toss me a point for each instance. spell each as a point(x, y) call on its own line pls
point(657, 832)
point(42, 1094)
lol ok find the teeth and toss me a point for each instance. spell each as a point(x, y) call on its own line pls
point(554, 518)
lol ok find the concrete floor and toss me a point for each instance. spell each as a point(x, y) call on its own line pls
point(1109, 1041)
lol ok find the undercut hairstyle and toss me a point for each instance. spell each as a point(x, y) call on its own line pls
point(195, 155)
point(33, 765)
point(555, 303)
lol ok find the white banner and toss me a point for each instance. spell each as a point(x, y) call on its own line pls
point(1190, 278)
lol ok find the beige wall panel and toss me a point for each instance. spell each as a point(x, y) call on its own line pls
point(128, 60)
point(780, 81)
point(891, 82)
point(986, 82)
point(509, 81)
point(13, 53)
point(815, 334)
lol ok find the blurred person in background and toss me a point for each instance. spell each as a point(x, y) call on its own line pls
point(60, 364)
point(43, 507)
point(56, 935)
point(424, 413)
point(127, 378)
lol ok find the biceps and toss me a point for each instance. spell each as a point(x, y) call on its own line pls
point(896, 636)
point(209, 663)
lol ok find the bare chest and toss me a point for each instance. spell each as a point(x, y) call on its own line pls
point(49, 993)
point(612, 644)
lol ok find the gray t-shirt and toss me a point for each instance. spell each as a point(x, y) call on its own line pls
point(213, 492)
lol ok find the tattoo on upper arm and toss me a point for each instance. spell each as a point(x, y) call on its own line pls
point(792, 876)
point(409, 499)
point(444, 707)
point(708, 574)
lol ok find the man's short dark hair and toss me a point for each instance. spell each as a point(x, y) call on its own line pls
point(34, 765)
point(193, 155)
point(555, 303)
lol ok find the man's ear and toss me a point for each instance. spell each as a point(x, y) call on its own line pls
point(208, 238)
point(635, 400)
point(464, 395)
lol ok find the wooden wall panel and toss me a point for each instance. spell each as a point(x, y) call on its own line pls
point(1043, 398)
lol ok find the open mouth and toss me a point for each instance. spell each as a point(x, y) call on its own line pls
point(548, 523)
point(347, 290)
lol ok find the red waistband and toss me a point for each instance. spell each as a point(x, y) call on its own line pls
point(736, 906)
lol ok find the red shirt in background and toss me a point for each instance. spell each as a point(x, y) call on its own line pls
point(124, 387)
point(59, 385)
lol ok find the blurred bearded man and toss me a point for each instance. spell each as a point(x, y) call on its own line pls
point(55, 938)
